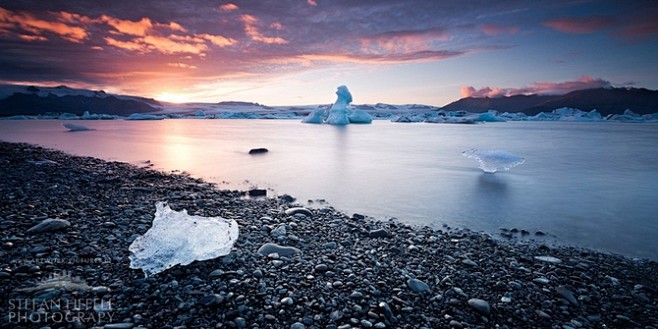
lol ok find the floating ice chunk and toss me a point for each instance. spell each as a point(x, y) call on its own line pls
point(360, 116)
point(178, 238)
point(139, 116)
point(492, 161)
point(315, 117)
point(338, 111)
point(74, 127)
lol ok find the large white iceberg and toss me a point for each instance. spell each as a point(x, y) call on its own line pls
point(492, 161)
point(178, 238)
point(339, 113)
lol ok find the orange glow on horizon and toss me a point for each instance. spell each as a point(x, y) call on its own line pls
point(174, 98)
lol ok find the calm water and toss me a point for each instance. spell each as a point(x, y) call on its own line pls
point(589, 184)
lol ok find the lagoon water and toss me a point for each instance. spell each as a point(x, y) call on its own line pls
point(586, 184)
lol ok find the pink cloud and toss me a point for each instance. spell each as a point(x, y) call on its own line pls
point(27, 27)
point(251, 29)
point(577, 25)
point(312, 3)
point(399, 42)
point(496, 29)
point(644, 26)
point(228, 7)
point(539, 88)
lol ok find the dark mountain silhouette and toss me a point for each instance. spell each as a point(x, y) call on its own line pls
point(33, 104)
point(605, 100)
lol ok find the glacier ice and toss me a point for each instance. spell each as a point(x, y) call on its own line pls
point(317, 116)
point(74, 127)
point(338, 111)
point(339, 114)
point(492, 161)
point(178, 238)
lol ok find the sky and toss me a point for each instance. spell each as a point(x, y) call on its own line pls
point(296, 52)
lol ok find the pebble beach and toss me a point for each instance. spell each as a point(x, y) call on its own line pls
point(66, 223)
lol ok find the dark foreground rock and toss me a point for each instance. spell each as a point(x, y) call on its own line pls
point(342, 277)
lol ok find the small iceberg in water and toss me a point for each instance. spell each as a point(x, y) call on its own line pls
point(178, 238)
point(491, 161)
point(339, 114)
point(74, 127)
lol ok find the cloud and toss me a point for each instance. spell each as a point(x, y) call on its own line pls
point(312, 3)
point(496, 29)
point(27, 27)
point(254, 34)
point(182, 65)
point(538, 88)
point(579, 25)
point(419, 56)
point(228, 7)
point(643, 26)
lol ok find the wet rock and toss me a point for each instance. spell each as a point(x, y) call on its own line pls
point(299, 210)
point(480, 305)
point(567, 294)
point(269, 248)
point(378, 233)
point(418, 286)
point(257, 192)
point(49, 225)
point(260, 150)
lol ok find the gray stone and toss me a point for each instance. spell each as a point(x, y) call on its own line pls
point(480, 305)
point(125, 325)
point(548, 259)
point(49, 225)
point(469, 262)
point(418, 286)
point(240, 322)
point(379, 233)
point(297, 325)
point(567, 294)
point(269, 248)
point(299, 210)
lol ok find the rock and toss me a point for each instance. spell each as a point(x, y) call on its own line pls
point(321, 268)
point(480, 305)
point(469, 262)
point(125, 325)
point(257, 192)
point(297, 325)
point(260, 150)
point(567, 294)
point(456, 324)
point(358, 216)
point(100, 290)
point(216, 273)
point(49, 225)
point(548, 259)
point(269, 248)
point(279, 231)
point(330, 245)
point(287, 198)
point(418, 286)
point(379, 233)
point(299, 210)
point(211, 300)
point(287, 301)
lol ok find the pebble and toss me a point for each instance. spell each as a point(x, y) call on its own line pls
point(297, 325)
point(379, 233)
point(119, 326)
point(479, 305)
point(299, 210)
point(469, 262)
point(567, 294)
point(548, 259)
point(269, 248)
point(418, 286)
point(49, 225)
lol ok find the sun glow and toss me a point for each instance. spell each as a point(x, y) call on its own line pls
point(174, 98)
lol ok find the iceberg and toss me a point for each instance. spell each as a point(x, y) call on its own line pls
point(74, 127)
point(492, 161)
point(178, 238)
point(139, 116)
point(359, 116)
point(317, 116)
point(338, 111)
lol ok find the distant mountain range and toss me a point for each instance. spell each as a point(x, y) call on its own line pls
point(32, 100)
point(605, 100)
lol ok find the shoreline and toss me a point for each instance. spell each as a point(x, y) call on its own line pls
point(346, 275)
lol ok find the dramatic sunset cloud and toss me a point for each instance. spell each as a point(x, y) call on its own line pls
point(539, 88)
point(298, 51)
